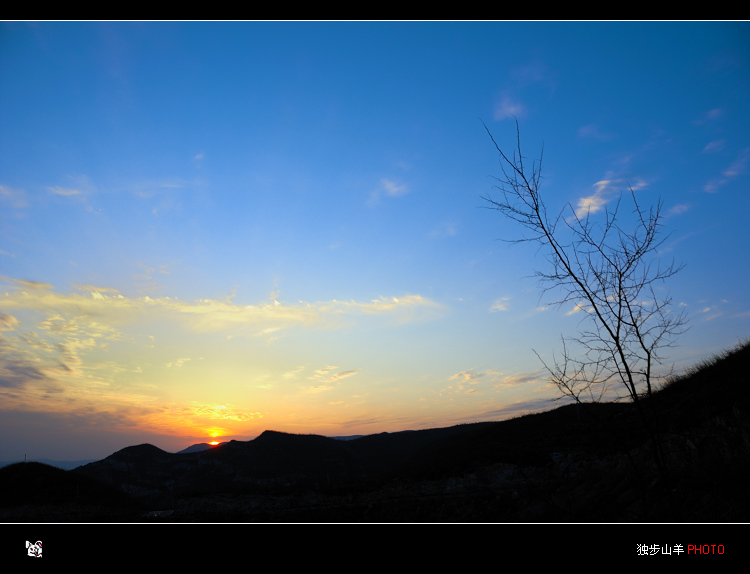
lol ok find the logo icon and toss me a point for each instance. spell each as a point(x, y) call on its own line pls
point(35, 549)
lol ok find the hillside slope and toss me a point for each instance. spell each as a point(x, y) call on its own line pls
point(576, 463)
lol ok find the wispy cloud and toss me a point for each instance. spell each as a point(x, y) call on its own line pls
point(16, 371)
point(508, 104)
point(735, 169)
point(294, 372)
point(204, 315)
point(57, 190)
point(678, 209)
point(93, 290)
point(446, 230)
point(592, 203)
point(14, 197)
point(318, 389)
point(577, 308)
point(338, 376)
point(466, 379)
point(394, 189)
point(508, 107)
point(592, 131)
point(738, 165)
point(148, 272)
point(710, 313)
point(199, 418)
point(7, 322)
point(501, 304)
point(387, 188)
point(467, 376)
point(521, 379)
point(49, 371)
point(211, 411)
point(326, 375)
point(714, 146)
point(604, 191)
point(148, 189)
point(710, 115)
point(26, 283)
point(518, 409)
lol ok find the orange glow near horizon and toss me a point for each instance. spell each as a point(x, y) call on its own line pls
point(214, 442)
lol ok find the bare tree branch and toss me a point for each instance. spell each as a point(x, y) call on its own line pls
point(610, 273)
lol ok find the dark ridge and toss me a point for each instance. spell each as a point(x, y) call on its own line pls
point(389, 454)
point(36, 492)
point(277, 458)
point(577, 463)
point(714, 386)
point(199, 447)
point(140, 452)
point(279, 438)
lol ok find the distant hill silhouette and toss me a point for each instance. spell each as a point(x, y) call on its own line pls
point(36, 492)
point(576, 463)
point(62, 464)
point(273, 462)
point(199, 447)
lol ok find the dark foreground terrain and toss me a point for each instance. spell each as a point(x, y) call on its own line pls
point(577, 463)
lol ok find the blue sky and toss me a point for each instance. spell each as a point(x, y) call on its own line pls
point(212, 229)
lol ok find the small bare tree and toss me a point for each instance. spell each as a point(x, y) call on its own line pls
point(609, 273)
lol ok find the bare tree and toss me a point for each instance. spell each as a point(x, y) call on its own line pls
point(611, 274)
point(607, 272)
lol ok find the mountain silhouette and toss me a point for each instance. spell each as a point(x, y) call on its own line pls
point(37, 492)
point(199, 447)
point(577, 463)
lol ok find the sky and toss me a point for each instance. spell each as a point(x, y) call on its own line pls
point(208, 230)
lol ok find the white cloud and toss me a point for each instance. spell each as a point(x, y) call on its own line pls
point(738, 166)
point(27, 284)
point(592, 131)
point(318, 389)
point(714, 146)
point(521, 378)
point(322, 375)
point(8, 322)
point(735, 169)
point(500, 304)
point(92, 289)
point(508, 108)
point(197, 410)
point(388, 188)
point(394, 189)
point(204, 315)
point(467, 376)
point(605, 191)
point(578, 307)
point(446, 230)
point(57, 190)
point(678, 209)
point(293, 373)
point(15, 197)
point(713, 114)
